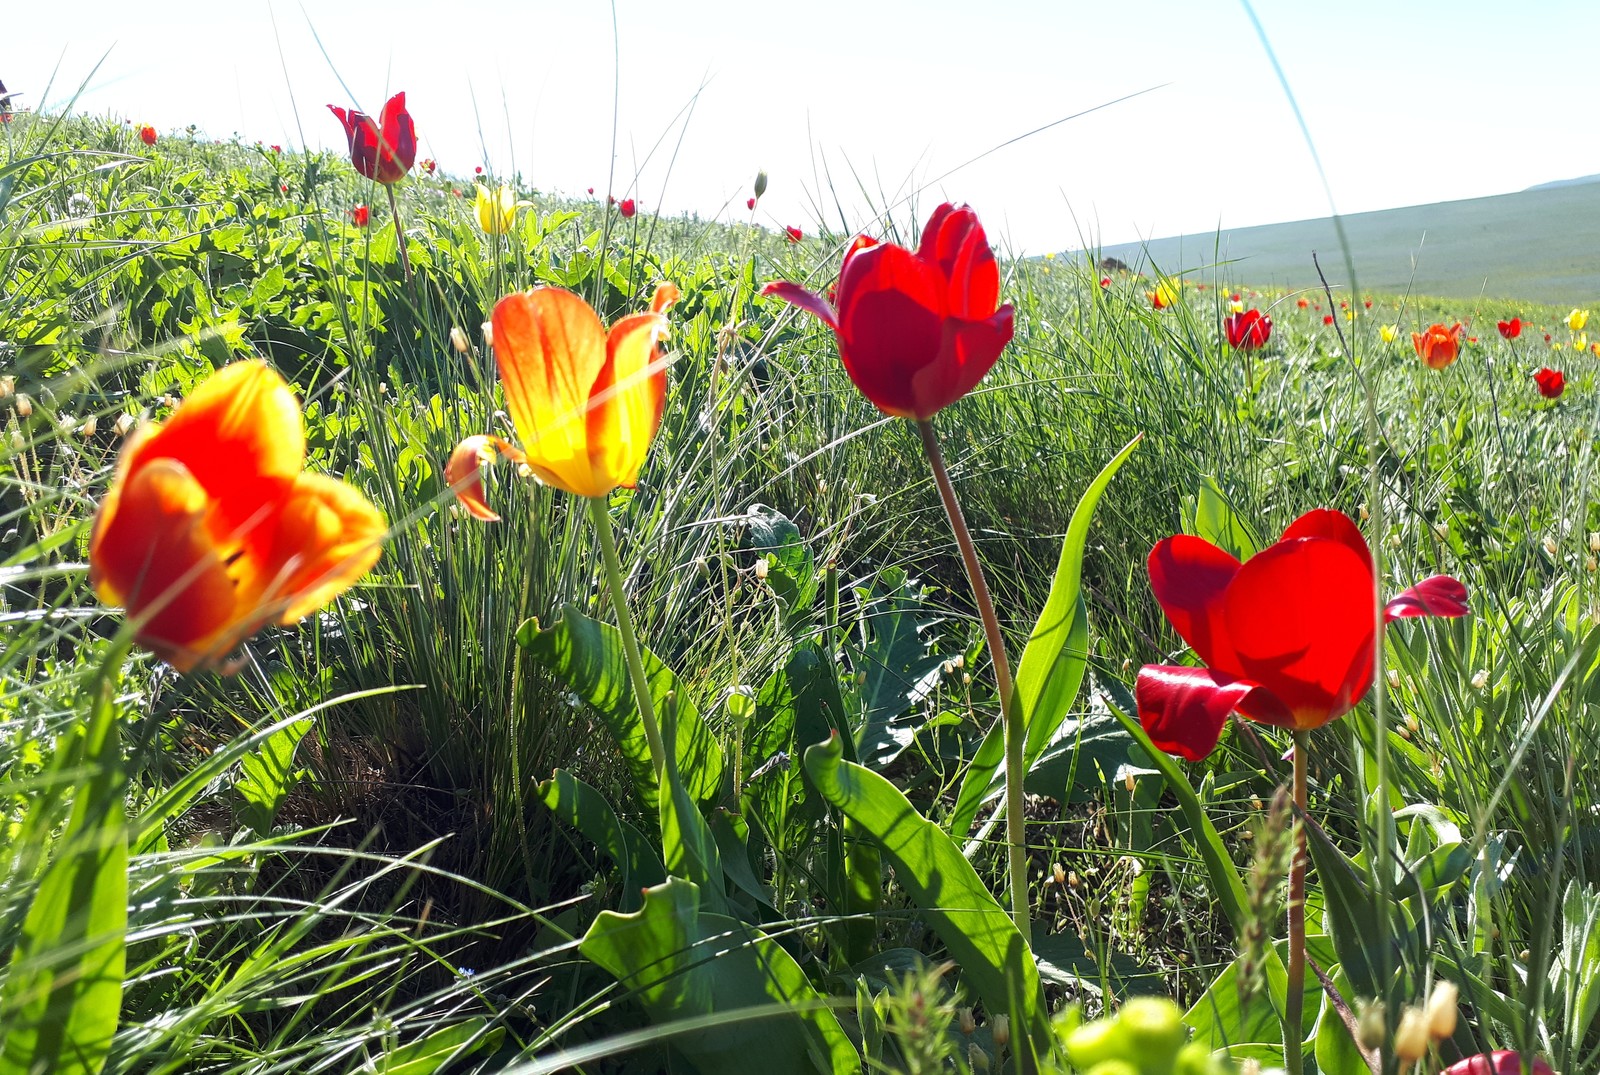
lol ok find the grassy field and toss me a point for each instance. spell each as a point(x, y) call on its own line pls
point(420, 830)
point(1535, 246)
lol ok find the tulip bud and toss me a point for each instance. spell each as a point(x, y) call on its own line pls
point(23, 406)
point(124, 424)
point(1058, 873)
point(1442, 1012)
point(1000, 1027)
point(89, 426)
point(458, 340)
point(1550, 546)
point(1393, 675)
point(1411, 1037)
point(8, 385)
point(977, 1059)
point(18, 441)
point(761, 182)
point(1369, 1026)
point(762, 568)
point(488, 333)
point(1480, 679)
point(965, 1020)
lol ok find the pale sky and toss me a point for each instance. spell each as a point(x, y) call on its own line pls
point(1409, 101)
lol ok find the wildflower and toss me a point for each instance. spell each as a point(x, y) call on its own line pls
point(428, 164)
point(497, 211)
point(794, 233)
point(1442, 1010)
point(359, 216)
point(1411, 1036)
point(385, 152)
point(1105, 281)
point(212, 530)
point(1437, 347)
point(917, 329)
point(147, 135)
point(627, 207)
point(458, 339)
point(1248, 331)
point(1551, 382)
point(760, 186)
point(1367, 304)
point(1504, 1062)
point(1327, 319)
point(477, 170)
point(1302, 303)
point(1236, 305)
point(1287, 637)
point(277, 149)
point(1510, 329)
point(1580, 342)
point(1577, 319)
point(585, 402)
point(750, 204)
point(1163, 296)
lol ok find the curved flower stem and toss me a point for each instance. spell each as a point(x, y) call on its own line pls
point(399, 232)
point(1294, 1000)
point(1016, 836)
point(630, 642)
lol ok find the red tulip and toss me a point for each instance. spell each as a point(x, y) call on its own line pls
point(591, 190)
point(626, 207)
point(147, 135)
point(477, 170)
point(383, 153)
point(917, 329)
point(794, 234)
point(1302, 303)
point(1367, 303)
point(1105, 281)
point(1287, 637)
point(1249, 330)
point(1504, 1062)
point(277, 149)
point(1510, 329)
point(429, 164)
point(750, 204)
point(1551, 383)
point(359, 216)
point(1437, 347)
point(1327, 319)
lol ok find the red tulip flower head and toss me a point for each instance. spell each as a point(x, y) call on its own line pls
point(1249, 330)
point(627, 207)
point(359, 216)
point(1438, 346)
point(1327, 319)
point(1302, 303)
point(750, 203)
point(1105, 281)
point(1287, 636)
point(147, 135)
point(1510, 329)
point(383, 152)
point(1551, 383)
point(794, 233)
point(1504, 1062)
point(918, 329)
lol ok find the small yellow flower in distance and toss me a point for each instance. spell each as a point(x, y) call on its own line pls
point(1577, 319)
point(497, 211)
point(1388, 333)
point(1236, 306)
point(1581, 343)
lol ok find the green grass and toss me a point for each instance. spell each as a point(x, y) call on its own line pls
point(413, 846)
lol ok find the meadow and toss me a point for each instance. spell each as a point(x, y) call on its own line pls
point(671, 770)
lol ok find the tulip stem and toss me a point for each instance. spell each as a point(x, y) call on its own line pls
point(1294, 999)
point(630, 641)
point(1016, 833)
point(399, 232)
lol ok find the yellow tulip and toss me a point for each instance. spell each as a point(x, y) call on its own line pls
point(1388, 333)
point(497, 211)
point(1577, 319)
point(585, 402)
point(1236, 306)
point(1581, 343)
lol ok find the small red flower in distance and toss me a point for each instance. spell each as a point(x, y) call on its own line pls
point(277, 149)
point(1367, 303)
point(1551, 383)
point(1510, 329)
point(794, 233)
point(918, 329)
point(1105, 281)
point(1247, 331)
point(477, 170)
point(1438, 346)
point(147, 135)
point(1302, 303)
point(380, 151)
point(1287, 637)
point(1327, 319)
point(627, 208)
point(429, 164)
point(750, 203)
point(591, 190)
point(1504, 1062)
point(359, 216)
point(283, 187)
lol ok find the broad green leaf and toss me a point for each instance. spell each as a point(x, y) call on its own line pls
point(586, 810)
point(1052, 665)
point(687, 847)
point(900, 667)
point(1226, 885)
point(267, 775)
point(952, 898)
point(63, 993)
point(1335, 1049)
point(587, 655)
point(683, 963)
point(1209, 515)
point(791, 569)
point(433, 1052)
point(1223, 1018)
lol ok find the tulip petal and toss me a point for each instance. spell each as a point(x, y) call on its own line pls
point(625, 407)
point(963, 254)
point(1333, 525)
point(813, 304)
point(1189, 577)
point(928, 244)
point(1184, 710)
point(969, 352)
point(1301, 616)
point(549, 346)
point(463, 473)
point(1439, 595)
point(328, 535)
point(397, 141)
point(153, 553)
point(891, 321)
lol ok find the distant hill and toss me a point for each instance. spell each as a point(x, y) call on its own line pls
point(1538, 245)
point(1565, 182)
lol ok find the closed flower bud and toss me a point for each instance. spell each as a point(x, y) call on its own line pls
point(89, 426)
point(977, 1059)
point(8, 385)
point(23, 406)
point(761, 568)
point(18, 441)
point(1411, 1037)
point(458, 340)
point(1442, 1010)
point(124, 424)
point(1369, 1026)
point(965, 1020)
point(1480, 679)
point(488, 333)
point(761, 183)
point(1000, 1028)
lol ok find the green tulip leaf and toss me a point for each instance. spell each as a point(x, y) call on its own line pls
point(586, 810)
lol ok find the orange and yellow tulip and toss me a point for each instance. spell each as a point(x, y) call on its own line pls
point(211, 529)
point(586, 403)
point(1438, 346)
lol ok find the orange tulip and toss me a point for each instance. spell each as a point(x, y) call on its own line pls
point(1437, 347)
point(586, 403)
point(211, 530)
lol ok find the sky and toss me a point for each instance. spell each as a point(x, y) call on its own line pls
point(853, 106)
